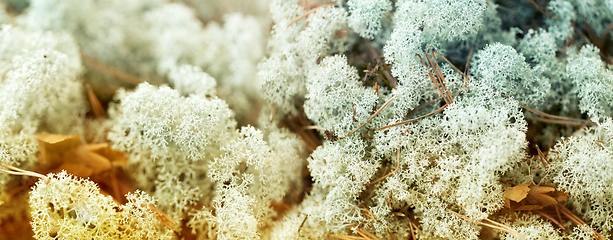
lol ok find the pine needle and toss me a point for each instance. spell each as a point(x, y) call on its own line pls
point(433, 79)
point(544, 160)
point(315, 4)
point(315, 127)
point(346, 237)
point(121, 76)
point(371, 117)
point(576, 220)
point(494, 225)
point(551, 219)
point(555, 119)
point(412, 120)
point(370, 235)
point(448, 62)
point(95, 103)
point(422, 106)
point(305, 14)
point(18, 171)
point(467, 68)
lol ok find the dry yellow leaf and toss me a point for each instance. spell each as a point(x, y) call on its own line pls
point(65, 152)
point(538, 196)
point(517, 193)
point(528, 197)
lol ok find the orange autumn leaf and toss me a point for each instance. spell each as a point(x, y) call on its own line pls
point(517, 193)
point(538, 195)
point(69, 153)
point(527, 197)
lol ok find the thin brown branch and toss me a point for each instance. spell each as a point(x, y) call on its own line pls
point(539, 8)
point(363, 235)
point(562, 120)
point(388, 233)
point(121, 76)
point(162, 214)
point(558, 213)
point(543, 113)
point(506, 9)
point(412, 231)
point(384, 177)
point(592, 35)
point(412, 120)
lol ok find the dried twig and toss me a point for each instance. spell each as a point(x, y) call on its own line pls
point(370, 235)
point(368, 213)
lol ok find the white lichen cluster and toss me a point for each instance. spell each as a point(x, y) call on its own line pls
point(216, 127)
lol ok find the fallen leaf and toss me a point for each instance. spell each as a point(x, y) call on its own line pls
point(517, 193)
point(538, 196)
point(67, 152)
point(52, 146)
point(528, 197)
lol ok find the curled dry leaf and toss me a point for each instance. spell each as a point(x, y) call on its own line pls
point(526, 197)
point(67, 152)
point(517, 193)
